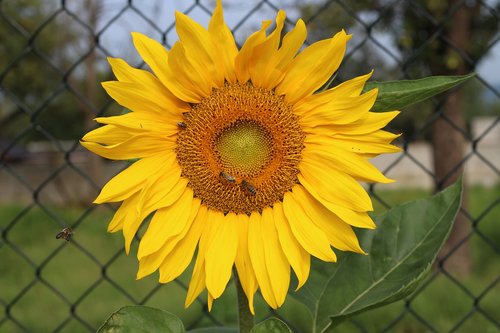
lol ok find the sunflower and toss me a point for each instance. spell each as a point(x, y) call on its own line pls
point(239, 158)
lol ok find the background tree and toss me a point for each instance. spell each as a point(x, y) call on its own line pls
point(48, 71)
point(50, 74)
point(32, 57)
point(467, 35)
point(442, 37)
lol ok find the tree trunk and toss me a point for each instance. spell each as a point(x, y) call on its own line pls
point(448, 139)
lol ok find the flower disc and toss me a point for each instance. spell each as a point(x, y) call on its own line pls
point(240, 148)
point(244, 148)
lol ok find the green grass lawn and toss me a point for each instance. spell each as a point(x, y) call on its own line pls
point(41, 277)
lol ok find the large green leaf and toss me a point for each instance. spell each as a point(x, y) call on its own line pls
point(142, 319)
point(401, 251)
point(215, 330)
point(395, 95)
point(271, 325)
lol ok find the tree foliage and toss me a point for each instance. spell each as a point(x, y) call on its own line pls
point(40, 72)
point(412, 36)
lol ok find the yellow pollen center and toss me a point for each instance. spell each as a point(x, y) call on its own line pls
point(244, 148)
point(240, 148)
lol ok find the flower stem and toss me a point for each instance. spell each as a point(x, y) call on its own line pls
point(245, 316)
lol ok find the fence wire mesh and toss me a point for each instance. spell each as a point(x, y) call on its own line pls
point(52, 58)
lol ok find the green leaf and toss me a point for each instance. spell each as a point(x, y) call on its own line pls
point(215, 330)
point(271, 325)
point(142, 319)
point(401, 252)
point(396, 95)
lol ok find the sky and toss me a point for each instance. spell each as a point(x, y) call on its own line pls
point(117, 38)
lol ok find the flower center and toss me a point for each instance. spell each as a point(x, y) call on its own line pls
point(240, 148)
point(244, 148)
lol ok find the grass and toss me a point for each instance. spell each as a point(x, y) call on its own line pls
point(39, 292)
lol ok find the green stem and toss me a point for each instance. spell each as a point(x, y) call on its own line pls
point(245, 316)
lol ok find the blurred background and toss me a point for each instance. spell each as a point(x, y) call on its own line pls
point(52, 60)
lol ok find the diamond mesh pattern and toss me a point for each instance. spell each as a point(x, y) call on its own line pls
point(47, 182)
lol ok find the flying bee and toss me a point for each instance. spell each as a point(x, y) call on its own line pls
point(249, 188)
point(227, 177)
point(66, 234)
point(182, 124)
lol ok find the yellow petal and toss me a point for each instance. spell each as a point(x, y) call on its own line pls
point(369, 123)
point(264, 60)
point(269, 64)
point(150, 263)
point(127, 205)
point(338, 232)
point(187, 74)
point(140, 98)
point(243, 262)
point(312, 239)
point(298, 258)
point(243, 59)
point(164, 191)
point(210, 301)
point(278, 268)
point(333, 186)
point(366, 145)
point(379, 136)
point(126, 73)
point(343, 161)
point(312, 68)
point(291, 44)
point(166, 223)
point(133, 178)
point(350, 88)
point(137, 146)
point(131, 221)
point(108, 135)
point(343, 110)
point(204, 215)
point(158, 194)
point(179, 258)
point(376, 136)
point(143, 122)
point(220, 253)
point(200, 50)
point(197, 283)
point(155, 55)
point(258, 257)
point(223, 42)
point(349, 216)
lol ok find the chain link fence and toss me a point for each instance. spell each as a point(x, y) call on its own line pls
point(52, 58)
